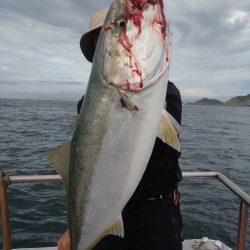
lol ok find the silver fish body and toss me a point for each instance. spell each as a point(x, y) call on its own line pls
point(120, 115)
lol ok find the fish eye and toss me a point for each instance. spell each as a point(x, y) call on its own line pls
point(121, 23)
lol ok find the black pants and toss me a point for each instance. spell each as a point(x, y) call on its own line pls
point(154, 225)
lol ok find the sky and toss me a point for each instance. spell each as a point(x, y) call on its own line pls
point(40, 57)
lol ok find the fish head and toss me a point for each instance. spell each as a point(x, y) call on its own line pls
point(134, 47)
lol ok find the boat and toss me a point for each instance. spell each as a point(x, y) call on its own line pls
point(188, 244)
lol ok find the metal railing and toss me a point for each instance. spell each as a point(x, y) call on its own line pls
point(6, 180)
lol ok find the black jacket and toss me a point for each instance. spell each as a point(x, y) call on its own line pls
point(163, 171)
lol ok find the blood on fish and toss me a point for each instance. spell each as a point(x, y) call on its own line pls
point(107, 28)
point(124, 41)
point(139, 73)
point(136, 17)
point(161, 18)
point(154, 2)
point(133, 86)
point(127, 85)
point(139, 3)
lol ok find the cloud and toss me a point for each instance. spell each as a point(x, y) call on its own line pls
point(238, 16)
point(211, 53)
point(40, 43)
point(3, 68)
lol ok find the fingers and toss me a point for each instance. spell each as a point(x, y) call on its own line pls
point(64, 243)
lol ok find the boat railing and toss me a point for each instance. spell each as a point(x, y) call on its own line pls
point(6, 180)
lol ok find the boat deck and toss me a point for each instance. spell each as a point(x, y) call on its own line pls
point(187, 245)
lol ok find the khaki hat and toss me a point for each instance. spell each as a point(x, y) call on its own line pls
point(95, 25)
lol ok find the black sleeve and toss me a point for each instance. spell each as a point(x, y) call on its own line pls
point(163, 171)
point(79, 105)
point(174, 103)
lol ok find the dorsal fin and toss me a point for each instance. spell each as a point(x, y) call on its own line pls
point(60, 159)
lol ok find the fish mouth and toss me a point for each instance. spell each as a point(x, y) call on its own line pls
point(146, 64)
point(140, 79)
point(140, 51)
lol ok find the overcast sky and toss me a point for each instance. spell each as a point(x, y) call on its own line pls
point(40, 55)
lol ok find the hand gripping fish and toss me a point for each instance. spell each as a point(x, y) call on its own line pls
point(120, 118)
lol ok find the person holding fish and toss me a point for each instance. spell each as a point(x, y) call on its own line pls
point(133, 203)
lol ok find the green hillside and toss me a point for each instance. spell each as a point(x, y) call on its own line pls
point(207, 101)
point(239, 101)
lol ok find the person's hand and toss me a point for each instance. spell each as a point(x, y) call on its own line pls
point(64, 243)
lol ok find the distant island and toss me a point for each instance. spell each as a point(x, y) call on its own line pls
point(235, 101)
point(207, 101)
point(239, 101)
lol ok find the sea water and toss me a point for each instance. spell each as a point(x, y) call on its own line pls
point(214, 138)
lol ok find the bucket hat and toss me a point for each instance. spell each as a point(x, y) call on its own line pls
point(86, 42)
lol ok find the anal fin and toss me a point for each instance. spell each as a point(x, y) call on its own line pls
point(117, 229)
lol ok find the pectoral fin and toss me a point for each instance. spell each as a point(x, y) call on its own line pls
point(60, 159)
point(169, 130)
point(126, 102)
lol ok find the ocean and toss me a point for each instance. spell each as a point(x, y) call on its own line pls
point(214, 138)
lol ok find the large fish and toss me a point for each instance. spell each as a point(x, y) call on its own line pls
point(120, 118)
